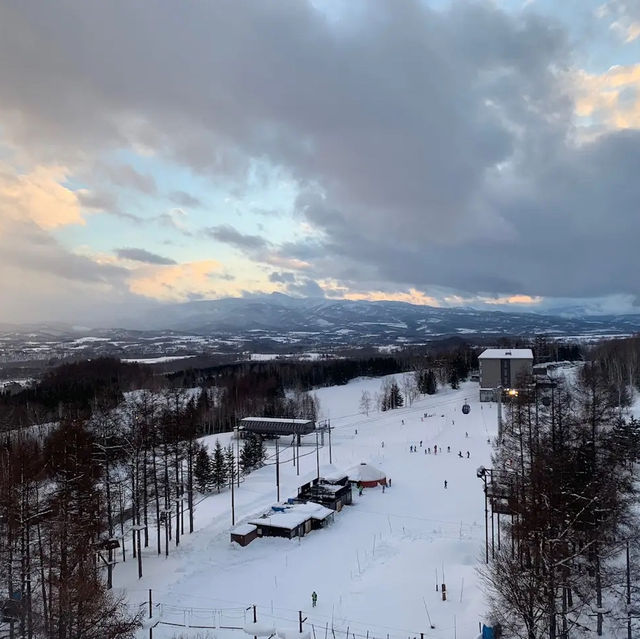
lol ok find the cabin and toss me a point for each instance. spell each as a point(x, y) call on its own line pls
point(244, 534)
point(292, 520)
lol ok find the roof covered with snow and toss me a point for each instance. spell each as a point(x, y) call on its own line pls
point(277, 426)
point(365, 472)
point(291, 516)
point(507, 353)
point(243, 529)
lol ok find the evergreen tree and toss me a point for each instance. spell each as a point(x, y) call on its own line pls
point(202, 471)
point(230, 464)
point(454, 380)
point(247, 456)
point(395, 396)
point(218, 467)
point(431, 384)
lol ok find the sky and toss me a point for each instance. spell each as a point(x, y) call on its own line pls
point(481, 154)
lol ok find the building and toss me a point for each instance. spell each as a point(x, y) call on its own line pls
point(292, 520)
point(503, 368)
point(275, 426)
point(244, 534)
point(367, 475)
point(332, 489)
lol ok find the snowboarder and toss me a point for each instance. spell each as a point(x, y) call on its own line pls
point(314, 598)
point(468, 454)
point(460, 454)
point(445, 483)
point(420, 443)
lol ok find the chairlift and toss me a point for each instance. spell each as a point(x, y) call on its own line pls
point(466, 409)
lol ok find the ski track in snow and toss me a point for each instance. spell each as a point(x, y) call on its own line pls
point(374, 568)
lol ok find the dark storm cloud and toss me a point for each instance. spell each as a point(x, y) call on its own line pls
point(431, 148)
point(229, 235)
point(142, 255)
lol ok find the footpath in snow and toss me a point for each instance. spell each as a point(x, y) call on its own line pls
point(376, 567)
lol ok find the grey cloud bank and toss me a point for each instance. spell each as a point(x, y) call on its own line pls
point(430, 148)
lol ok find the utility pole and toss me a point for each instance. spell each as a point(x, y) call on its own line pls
point(298, 455)
point(277, 470)
point(233, 481)
point(255, 618)
point(317, 457)
point(628, 594)
point(329, 422)
point(300, 620)
point(499, 391)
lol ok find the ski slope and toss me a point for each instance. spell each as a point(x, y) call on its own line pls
point(375, 568)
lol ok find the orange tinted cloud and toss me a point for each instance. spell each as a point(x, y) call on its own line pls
point(514, 299)
point(177, 282)
point(611, 98)
point(40, 197)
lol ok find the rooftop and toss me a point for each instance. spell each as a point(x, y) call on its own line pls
point(507, 353)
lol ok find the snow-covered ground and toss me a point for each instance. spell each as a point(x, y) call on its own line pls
point(375, 569)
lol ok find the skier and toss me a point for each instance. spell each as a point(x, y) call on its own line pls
point(425, 451)
point(403, 422)
point(356, 431)
point(383, 487)
point(360, 487)
point(460, 454)
point(429, 449)
point(314, 598)
point(468, 455)
point(435, 449)
point(466, 434)
point(420, 443)
point(448, 449)
point(382, 444)
point(445, 483)
point(389, 482)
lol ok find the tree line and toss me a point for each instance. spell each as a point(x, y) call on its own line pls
point(563, 479)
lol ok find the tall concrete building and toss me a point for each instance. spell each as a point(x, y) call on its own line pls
point(503, 367)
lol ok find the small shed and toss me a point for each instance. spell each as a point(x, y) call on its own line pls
point(367, 475)
point(244, 534)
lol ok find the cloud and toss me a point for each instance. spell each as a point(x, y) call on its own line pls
point(142, 255)
point(126, 176)
point(182, 198)
point(175, 283)
point(623, 17)
point(40, 197)
point(612, 97)
point(175, 219)
point(427, 148)
point(229, 235)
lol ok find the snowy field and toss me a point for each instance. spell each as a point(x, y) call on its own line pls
point(375, 568)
